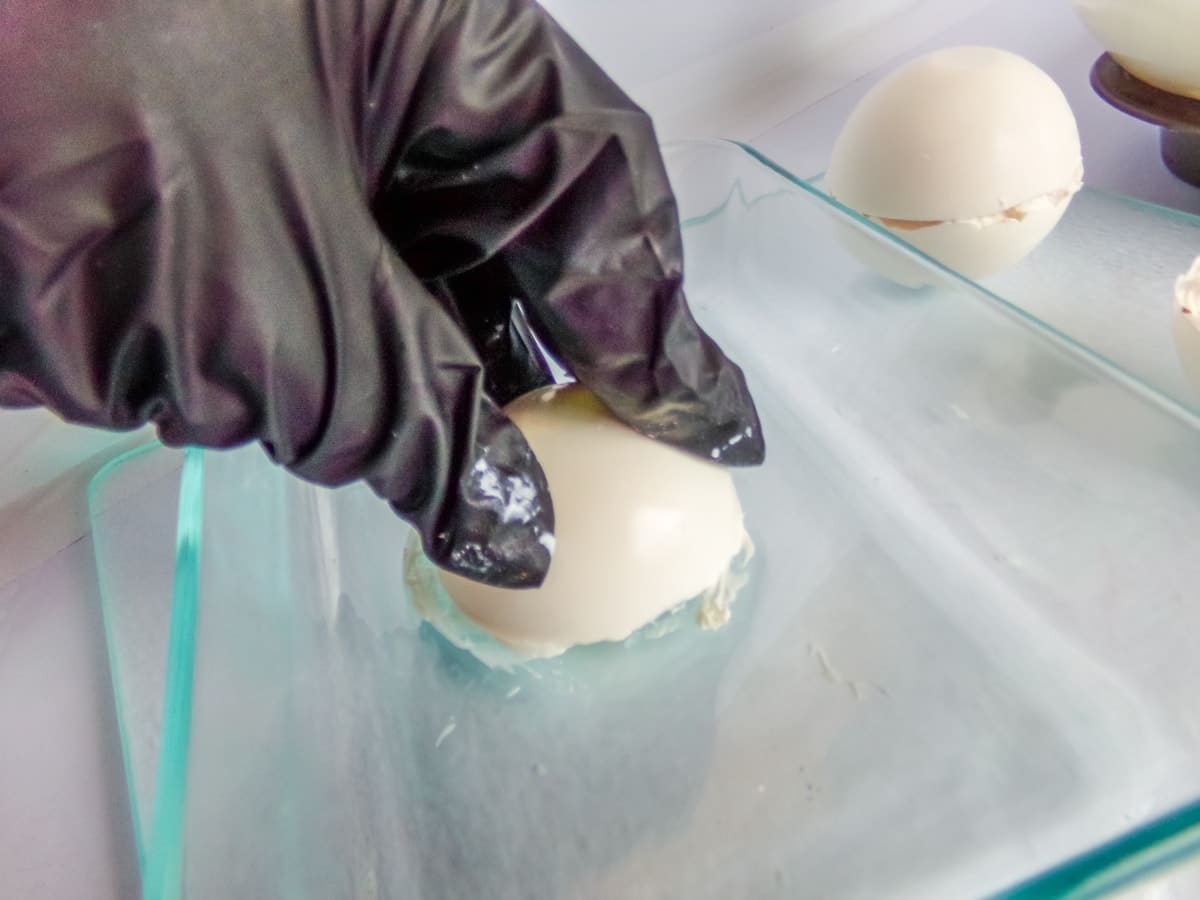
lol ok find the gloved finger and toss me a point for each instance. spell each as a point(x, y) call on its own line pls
point(522, 171)
point(619, 318)
point(441, 452)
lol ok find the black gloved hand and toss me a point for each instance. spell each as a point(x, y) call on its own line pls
point(305, 222)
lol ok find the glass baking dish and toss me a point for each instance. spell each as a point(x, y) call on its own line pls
point(964, 666)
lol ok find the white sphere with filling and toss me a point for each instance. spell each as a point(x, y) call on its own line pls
point(970, 154)
point(640, 528)
point(1187, 323)
point(1154, 40)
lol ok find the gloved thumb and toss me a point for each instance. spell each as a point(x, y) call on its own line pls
point(409, 414)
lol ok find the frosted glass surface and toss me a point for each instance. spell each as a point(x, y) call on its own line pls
point(966, 652)
point(1106, 277)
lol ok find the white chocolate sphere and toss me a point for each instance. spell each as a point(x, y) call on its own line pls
point(1187, 323)
point(970, 154)
point(1154, 40)
point(640, 528)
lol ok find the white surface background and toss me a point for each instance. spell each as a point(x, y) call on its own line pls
point(746, 69)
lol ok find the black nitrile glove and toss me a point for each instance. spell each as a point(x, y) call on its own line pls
point(305, 222)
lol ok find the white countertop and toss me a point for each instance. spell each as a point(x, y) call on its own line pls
point(746, 72)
